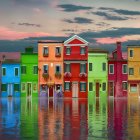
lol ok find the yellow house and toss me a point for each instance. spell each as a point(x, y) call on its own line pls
point(134, 70)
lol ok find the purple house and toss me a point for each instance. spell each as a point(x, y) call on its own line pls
point(117, 73)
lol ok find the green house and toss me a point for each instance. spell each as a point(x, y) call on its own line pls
point(97, 73)
point(29, 73)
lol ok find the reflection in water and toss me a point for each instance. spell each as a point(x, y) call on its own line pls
point(69, 119)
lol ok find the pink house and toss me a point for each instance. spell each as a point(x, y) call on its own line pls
point(117, 73)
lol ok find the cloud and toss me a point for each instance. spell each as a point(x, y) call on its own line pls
point(79, 20)
point(73, 8)
point(110, 16)
point(121, 11)
point(29, 24)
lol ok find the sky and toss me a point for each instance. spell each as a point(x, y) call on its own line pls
point(100, 22)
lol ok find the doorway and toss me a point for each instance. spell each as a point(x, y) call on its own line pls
point(75, 89)
point(97, 89)
point(10, 89)
point(51, 91)
point(111, 89)
point(29, 89)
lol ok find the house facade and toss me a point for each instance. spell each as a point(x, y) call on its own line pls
point(97, 73)
point(10, 75)
point(29, 73)
point(50, 57)
point(75, 67)
point(134, 70)
point(117, 73)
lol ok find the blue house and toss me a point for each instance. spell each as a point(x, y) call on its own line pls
point(10, 75)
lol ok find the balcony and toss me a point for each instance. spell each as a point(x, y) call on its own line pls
point(67, 75)
point(82, 75)
point(45, 54)
point(57, 54)
point(45, 75)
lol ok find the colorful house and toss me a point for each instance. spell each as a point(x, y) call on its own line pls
point(97, 73)
point(10, 74)
point(134, 70)
point(117, 73)
point(75, 67)
point(50, 57)
point(29, 73)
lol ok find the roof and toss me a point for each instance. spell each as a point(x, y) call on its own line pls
point(97, 50)
point(10, 57)
point(124, 55)
point(49, 41)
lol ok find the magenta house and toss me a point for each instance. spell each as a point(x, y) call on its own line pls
point(117, 73)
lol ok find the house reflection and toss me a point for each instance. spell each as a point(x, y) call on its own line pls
point(50, 119)
point(29, 118)
point(10, 116)
point(117, 118)
point(97, 118)
point(75, 119)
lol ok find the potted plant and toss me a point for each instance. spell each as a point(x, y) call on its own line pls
point(82, 75)
point(58, 54)
point(67, 74)
point(45, 75)
point(45, 54)
point(58, 74)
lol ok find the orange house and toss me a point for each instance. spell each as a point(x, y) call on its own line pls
point(50, 64)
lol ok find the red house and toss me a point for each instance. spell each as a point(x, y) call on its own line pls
point(75, 67)
point(117, 73)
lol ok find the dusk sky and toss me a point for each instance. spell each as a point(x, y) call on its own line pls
point(100, 22)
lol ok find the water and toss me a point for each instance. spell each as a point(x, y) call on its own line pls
point(69, 119)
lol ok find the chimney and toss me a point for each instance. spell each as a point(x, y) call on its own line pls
point(119, 51)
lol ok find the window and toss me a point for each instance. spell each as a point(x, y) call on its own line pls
point(67, 67)
point(131, 53)
point(67, 86)
point(104, 87)
point(90, 66)
point(133, 87)
point(124, 85)
point(131, 71)
point(35, 69)
point(57, 51)
point(90, 86)
point(16, 87)
point(45, 51)
point(3, 71)
point(4, 87)
point(82, 68)
point(104, 66)
point(58, 69)
point(34, 86)
point(115, 55)
point(23, 69)
point(16, 72)
point(45, 68)
point(68, 50)
point(23, 87)
point(82, 50)
point(111, 69)
point(124, 69)
point(82, 86)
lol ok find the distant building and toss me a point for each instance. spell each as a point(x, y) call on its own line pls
point(117, 73)
point(75, 67)
point(29, 73)
point(10, 74)
point(50, 57)
point(134, 70)
point(97, 73)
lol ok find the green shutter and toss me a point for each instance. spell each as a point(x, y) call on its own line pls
point(23, 69)
point(35, 70)
point(16, 71)
point(3, 71)
point(4, 87)
point(16, 87)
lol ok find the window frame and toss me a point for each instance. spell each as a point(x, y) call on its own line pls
point(89, 86)
point(103, 66)
point(85, 85)
point(83, 47)
point(48, 69)
point(18, 87)
point(45, 47)
point(132, 53)
point(15, 71)
point(65, 86)
point(129, 71)
point(123, 68)
point(2, 71)
point(104, 90)
point(113, 68)
point(25, 69)
point(91, 66)
point(37, 69)
point(68, 47)
point(126, 87)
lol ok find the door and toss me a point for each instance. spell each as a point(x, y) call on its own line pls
point(75, 89)
point(29, 89)
point(97, 89)
point(111, 89)
point(51, 91)
point(10, 89)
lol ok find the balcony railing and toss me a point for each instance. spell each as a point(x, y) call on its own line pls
point(82, 75)
point(67, 74)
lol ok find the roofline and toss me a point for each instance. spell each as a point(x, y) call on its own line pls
point(41, 41)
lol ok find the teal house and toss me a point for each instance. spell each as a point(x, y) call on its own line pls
point(29, 73)
point(97, 73)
